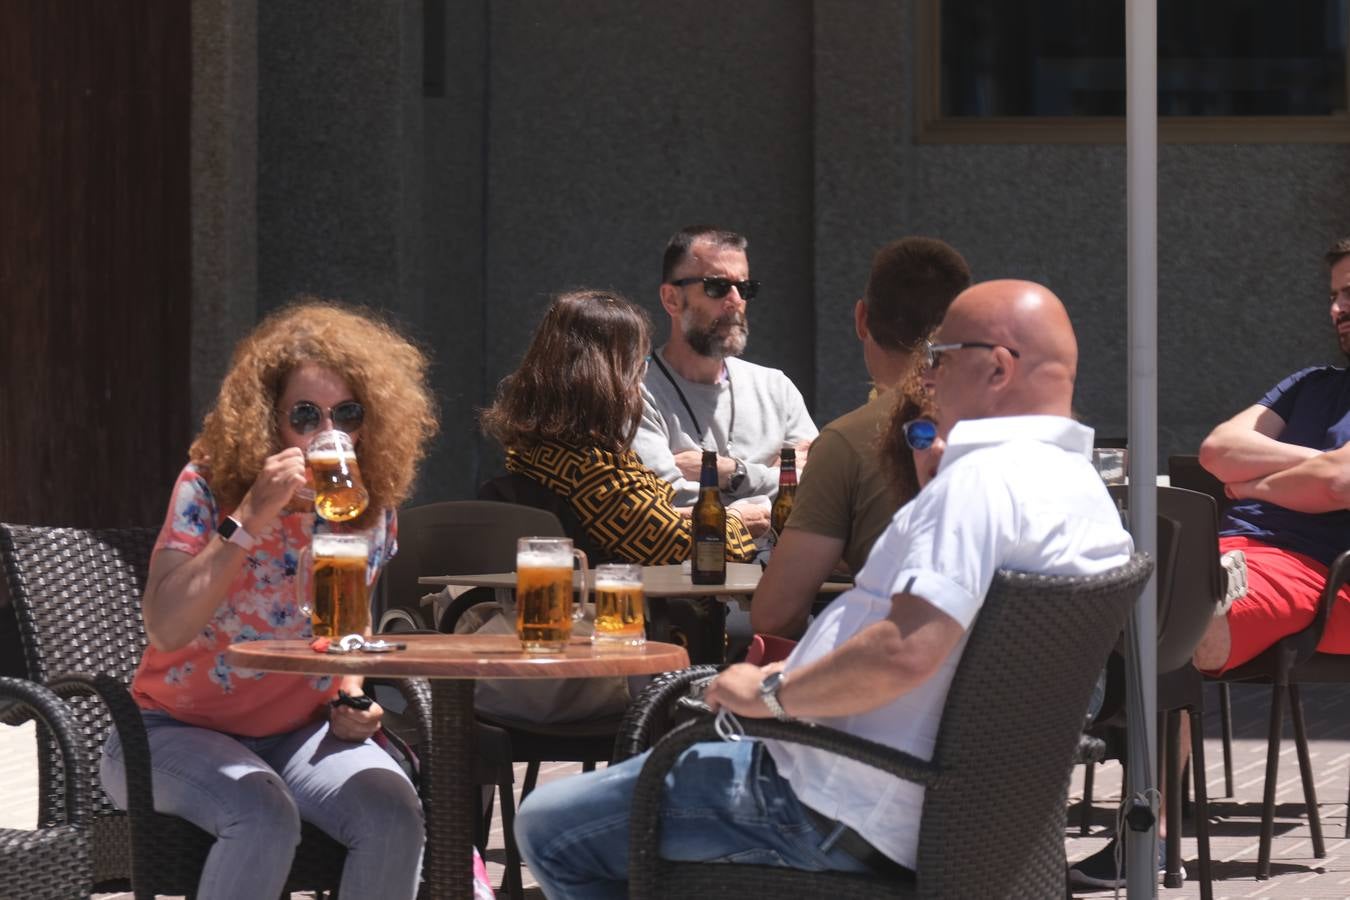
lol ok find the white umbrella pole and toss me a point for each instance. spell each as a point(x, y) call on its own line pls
point(1141, 123)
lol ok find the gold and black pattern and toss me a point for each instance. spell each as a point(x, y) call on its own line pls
point(621, 503)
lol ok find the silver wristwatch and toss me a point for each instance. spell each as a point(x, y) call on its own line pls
point(768, 692)
point(737, 477)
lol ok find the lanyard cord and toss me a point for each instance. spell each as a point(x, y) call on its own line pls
point(731, 388)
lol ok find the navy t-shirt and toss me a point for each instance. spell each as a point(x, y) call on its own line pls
point(1315, 406)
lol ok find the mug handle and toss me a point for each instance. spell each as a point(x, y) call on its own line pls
point(304, 583)
point(580, 611)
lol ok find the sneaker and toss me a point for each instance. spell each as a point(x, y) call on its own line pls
point(1099, 870)
point(1234, 565)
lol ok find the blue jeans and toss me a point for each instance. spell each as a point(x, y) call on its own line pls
point(252, 793)
point(725, 802)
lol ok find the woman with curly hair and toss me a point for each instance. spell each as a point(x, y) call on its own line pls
point(247, 755)
point(567, 417)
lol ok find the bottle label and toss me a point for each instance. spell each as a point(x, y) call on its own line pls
point(709, 556)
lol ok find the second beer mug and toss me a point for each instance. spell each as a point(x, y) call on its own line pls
point(619, 612)
point(339, 495)
point(333, 587)
point(544, 610)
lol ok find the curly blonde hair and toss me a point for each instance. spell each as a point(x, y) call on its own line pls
point(384, 370)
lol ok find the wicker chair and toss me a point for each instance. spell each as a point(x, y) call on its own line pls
point(52, 862)
point(77, 595)
point(993, 824)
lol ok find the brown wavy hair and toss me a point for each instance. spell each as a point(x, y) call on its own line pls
point(384, 370)
point(580, 381)
point(897, 460)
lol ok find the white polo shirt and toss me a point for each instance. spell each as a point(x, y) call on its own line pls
point(1017, 493)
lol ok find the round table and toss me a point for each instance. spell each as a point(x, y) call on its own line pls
point(452, 662)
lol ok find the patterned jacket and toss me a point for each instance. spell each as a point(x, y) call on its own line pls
point(623, 506)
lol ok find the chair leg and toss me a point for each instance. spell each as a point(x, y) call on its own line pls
point(1272, 775)
point(1305, 770)
point(588, 766)
point(512, 883)
point(1172, 772)
point(1085, 808)
point(1201, 805)
point(1226, 729)
point(531, 779)
point(484, 829)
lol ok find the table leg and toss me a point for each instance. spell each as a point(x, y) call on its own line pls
point(451, 809)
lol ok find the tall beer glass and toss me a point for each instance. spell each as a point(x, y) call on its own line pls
point(619, 612)
point(339, 596)
point(339, 495)
point(544, 611)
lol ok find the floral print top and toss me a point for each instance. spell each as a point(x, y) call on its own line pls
point(195, 684)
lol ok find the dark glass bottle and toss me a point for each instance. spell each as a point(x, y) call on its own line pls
point(787, 491)
point(708, 556)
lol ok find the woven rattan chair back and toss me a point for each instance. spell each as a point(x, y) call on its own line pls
point(993, 822)
point(77, 597)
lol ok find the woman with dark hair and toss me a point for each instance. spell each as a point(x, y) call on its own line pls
point(247, 755)
point(567, 417)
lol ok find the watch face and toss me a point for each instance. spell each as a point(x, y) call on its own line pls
point(227, 528)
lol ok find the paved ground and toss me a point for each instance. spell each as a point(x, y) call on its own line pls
point(1235, 820)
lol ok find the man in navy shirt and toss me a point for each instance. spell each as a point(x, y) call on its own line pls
point(1287, 464)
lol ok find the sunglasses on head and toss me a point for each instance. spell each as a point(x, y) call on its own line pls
point(307, 416)
point(920, 433)
point(717, 288)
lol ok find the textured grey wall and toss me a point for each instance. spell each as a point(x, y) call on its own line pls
point(570, 139)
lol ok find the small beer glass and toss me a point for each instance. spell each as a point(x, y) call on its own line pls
point(334, 590)
point(544, 609)
point(619, 619)
point(339, 495)
point(1110, 464)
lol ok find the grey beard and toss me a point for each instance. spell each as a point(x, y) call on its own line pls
point(707, 342)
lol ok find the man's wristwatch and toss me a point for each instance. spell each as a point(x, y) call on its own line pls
point(232, 531)
point(737, 477)
point(768, 692)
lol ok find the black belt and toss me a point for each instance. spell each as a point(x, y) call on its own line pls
point(857, 846)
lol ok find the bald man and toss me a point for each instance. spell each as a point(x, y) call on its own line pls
point(1015, 489)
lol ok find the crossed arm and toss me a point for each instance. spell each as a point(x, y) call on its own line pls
point(1245, 453)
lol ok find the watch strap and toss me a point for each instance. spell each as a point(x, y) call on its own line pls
point(232, 531)
point(737, 477)
point(768, 692)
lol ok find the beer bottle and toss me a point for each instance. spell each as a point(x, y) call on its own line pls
point(787, 492)
point(708, 556)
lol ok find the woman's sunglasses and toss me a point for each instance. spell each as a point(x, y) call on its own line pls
point(920, 433)
point(307, 416)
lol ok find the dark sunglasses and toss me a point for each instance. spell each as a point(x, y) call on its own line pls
point(919, 433)
point(933, 352)
point(717, 288)
point(307, 416)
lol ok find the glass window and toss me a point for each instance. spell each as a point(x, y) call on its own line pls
point(1021, 60)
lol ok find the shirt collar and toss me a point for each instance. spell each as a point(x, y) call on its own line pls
point(969, 435)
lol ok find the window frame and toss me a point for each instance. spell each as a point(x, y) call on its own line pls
point(933, 128)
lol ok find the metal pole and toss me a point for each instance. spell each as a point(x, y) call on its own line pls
point(1141, 154)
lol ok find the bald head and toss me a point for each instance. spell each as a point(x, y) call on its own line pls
point(1030, 369)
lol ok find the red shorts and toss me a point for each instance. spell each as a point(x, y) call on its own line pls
point(1283, 588)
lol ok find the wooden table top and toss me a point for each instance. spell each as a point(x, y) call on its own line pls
point(657, 581)
point(462, 656)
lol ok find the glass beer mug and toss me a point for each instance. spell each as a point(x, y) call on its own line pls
point(334, 478)
point(619, 606)
point(332, 586)
point(544, 610)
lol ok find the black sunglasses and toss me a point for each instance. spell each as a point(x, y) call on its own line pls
point(920, 433)
point(307, 416)
point(717, 288)
point(933, 352)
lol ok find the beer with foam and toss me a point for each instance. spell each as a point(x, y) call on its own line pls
point(341, 601)
point(544, 610)
point(619, 613)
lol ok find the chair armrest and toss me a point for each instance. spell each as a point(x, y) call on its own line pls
point(645, 823)
point(648, 716)
point(126, 718)
point(1337, 576)
point(37, 702)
